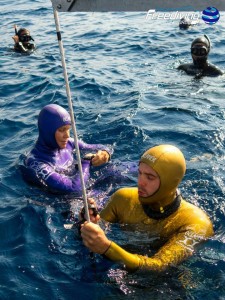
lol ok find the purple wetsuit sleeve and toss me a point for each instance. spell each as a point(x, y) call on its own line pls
point(57, 182)
point(94, 147)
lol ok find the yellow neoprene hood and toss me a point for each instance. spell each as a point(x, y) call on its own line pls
point(169, 163)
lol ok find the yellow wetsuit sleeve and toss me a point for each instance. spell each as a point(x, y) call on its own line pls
point(170, 254)
point(118, 254)
point(177, 249)
point(173, 252)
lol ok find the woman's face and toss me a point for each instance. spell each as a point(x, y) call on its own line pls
point(62, 136)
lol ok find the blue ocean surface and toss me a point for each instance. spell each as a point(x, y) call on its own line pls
point(126, 92)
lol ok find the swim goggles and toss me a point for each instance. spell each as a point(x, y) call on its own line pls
point(25, 38)
point(199, 50)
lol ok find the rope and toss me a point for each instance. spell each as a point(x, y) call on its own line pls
point(71, 113)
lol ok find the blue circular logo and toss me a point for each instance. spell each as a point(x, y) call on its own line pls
point(210, 15)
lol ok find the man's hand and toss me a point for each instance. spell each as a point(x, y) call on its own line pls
point(94, 218)
point(15, 38)
point(94, 238)
point(101, 157)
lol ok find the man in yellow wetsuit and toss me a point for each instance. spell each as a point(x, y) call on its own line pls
point(155, 206)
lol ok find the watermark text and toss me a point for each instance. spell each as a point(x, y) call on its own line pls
point(152, 14)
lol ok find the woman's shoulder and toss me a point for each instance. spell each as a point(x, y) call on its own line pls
point(70, 144)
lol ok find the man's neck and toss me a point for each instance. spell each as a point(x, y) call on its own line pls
point(157, 206)
point(201, 64)
point(162, 212)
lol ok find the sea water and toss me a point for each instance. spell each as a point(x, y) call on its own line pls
point(126, 93)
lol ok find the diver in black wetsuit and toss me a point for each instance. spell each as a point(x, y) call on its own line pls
point(184, 23)
point(22, 39)
point(200, 49)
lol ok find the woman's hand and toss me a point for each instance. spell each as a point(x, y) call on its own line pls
point(101, 157)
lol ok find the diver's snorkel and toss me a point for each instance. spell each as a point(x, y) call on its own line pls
point(209, 47)
point(16, 32)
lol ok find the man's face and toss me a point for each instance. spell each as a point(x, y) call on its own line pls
point(199, 51)
point(25, 36)
point(62, 135)
point(148, 180)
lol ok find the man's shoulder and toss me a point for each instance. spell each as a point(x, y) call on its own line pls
point(185, 66)
point(123, 196)
point(119, 204)
point(194, 215)
point(214, 70)
point(126, 192)
point(187, 206)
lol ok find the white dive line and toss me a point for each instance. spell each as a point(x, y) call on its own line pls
point(71, 113)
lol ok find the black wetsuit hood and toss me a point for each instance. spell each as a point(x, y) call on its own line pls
point(184, 23)
point(201, 60)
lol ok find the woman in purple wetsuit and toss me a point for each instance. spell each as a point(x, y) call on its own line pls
point(52, 163)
